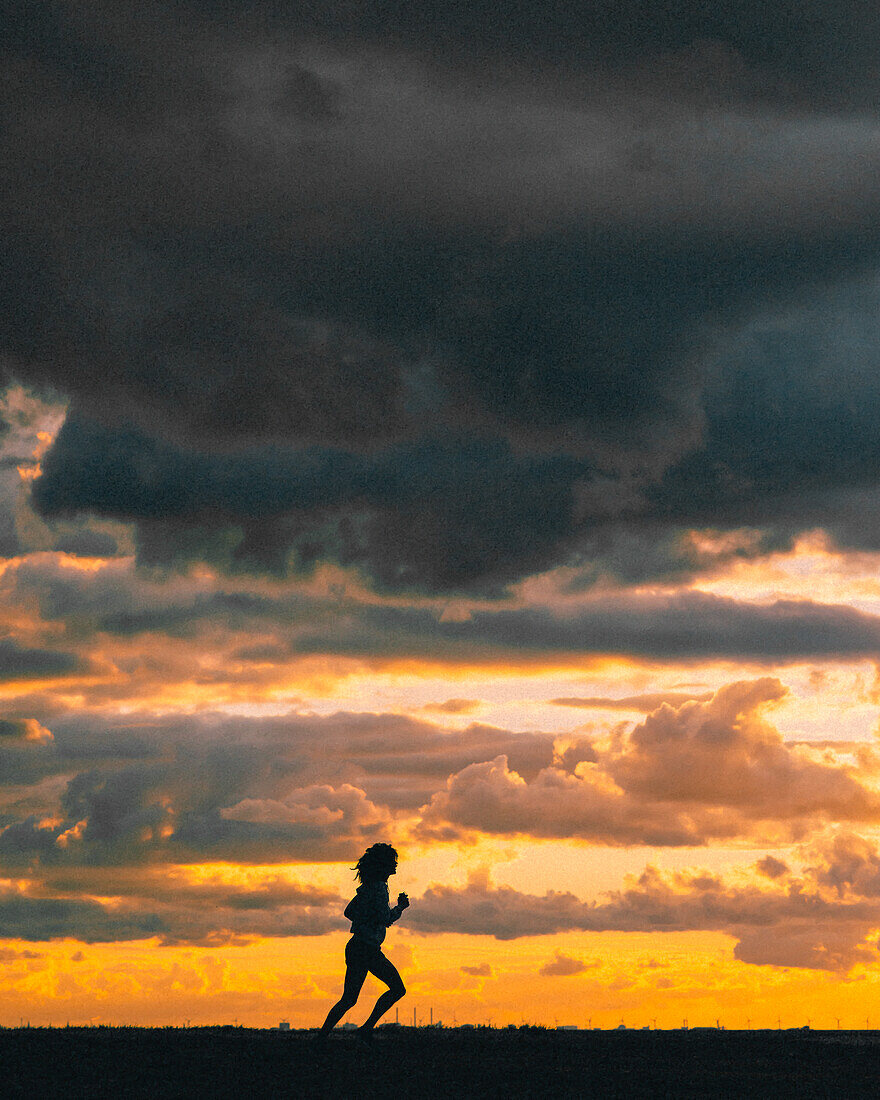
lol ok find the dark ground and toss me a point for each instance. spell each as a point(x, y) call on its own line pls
point(432, 1062)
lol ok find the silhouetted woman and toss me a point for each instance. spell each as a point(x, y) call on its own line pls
point(370, 914)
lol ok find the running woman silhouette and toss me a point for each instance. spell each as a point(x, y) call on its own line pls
point(370, 914)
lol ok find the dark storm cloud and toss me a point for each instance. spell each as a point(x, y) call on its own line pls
point(436, 514)
point(350, 233)
point(119, 600)
point(810, 46)
point(789, 443)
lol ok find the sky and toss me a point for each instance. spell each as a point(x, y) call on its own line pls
point(451, 425)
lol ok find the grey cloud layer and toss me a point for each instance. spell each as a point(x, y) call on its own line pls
point(271, 790)
point(285, 622)
point(646, 702)
point(491, 321)
point(794, 923)
point(147, 907)
point(19, 662)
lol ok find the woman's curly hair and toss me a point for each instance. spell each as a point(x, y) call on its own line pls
point(374, 862)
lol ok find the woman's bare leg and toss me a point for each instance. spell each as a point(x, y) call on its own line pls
point(386, 972)
point(355, 974)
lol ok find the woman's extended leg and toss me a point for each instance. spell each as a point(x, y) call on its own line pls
point(355, 974)
point(386, 972)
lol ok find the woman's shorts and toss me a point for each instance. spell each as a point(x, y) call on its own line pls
point(360, 952)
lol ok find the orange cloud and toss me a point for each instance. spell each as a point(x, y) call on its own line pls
point(686, 775)
point(562, 965)
point(798, 922)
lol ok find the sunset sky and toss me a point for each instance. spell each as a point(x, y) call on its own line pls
point(455, 425)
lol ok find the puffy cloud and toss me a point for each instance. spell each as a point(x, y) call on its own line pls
point(106, 809)
point(571, 751)
point(24, 729)
point(722, 752)
point(483, 910)
point(342, 818)
point(771, 867)
point(799, 924)
point(850, 865)
point(7, 954)
point(834, 946)
point(272, 789)
point(687, 774)
point(562, 965)
point(168, 788)
point(489, 797)
point(141, 814)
